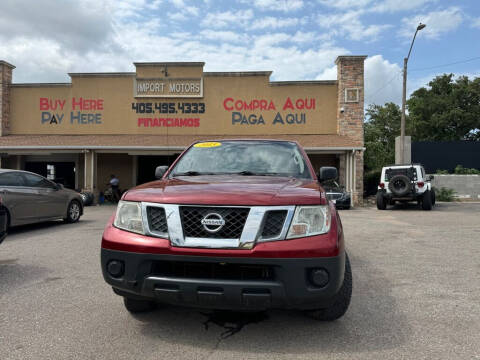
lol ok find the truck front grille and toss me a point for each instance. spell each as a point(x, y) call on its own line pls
point(157, 220)
point(273, 224)
point(212, 270)
point(234, 218)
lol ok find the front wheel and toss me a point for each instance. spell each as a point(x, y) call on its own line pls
point(73, 212)
point(433, 196)
point(342, 299)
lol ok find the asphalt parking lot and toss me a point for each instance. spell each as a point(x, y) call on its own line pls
point(416, 295)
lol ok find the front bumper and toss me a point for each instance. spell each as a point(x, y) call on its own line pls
point(286, 283)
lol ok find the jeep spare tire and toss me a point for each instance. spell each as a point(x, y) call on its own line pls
point(400, 185)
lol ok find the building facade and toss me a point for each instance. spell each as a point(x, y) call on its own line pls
point(128, 123)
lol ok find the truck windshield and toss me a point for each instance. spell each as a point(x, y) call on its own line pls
point(261, 158)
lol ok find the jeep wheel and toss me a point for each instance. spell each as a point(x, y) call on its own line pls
point(342, 299)
point(433, 196)
point(381, 201)
point(427, 200)
point(400, 185)
point(136, 306)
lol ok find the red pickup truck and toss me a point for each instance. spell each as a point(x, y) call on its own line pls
point(232, 224)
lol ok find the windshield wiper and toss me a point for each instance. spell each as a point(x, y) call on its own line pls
point(246, 173)
point(251, 173)
point(189, 173)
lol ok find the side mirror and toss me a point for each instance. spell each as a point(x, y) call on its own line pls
point(327, 173)
point(160, 171)
point(59, 186)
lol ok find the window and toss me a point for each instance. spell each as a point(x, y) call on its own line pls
point(351, 95)
point(37, 181)
point(276, 158)
point(50, 172)
point(11, 179)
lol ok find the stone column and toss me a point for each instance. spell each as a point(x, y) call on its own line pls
point(350, 112)
point(342, 170)
point(5, 82)
point(90, 173)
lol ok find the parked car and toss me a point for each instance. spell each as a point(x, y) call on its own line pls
point(235, 224)
point(337, 194)
point(29, 198)
point(3, 222)
point(405, 183)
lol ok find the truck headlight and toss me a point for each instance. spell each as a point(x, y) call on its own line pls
point(309, 221)
point(129, 217)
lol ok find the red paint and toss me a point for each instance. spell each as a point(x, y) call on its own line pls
point(232, 190)
point(49, 104)
point(330, 244)
point(229, 190)
point(230, 104)
point(168, 122)
point(87, 104)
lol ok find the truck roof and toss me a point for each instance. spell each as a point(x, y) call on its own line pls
point(397, 165)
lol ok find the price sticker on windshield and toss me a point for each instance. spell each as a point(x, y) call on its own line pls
point(207, 144)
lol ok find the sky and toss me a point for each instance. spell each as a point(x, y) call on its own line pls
point(296, 39)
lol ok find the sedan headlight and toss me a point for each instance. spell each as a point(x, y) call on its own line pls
point(309, 221)
point(129, 217)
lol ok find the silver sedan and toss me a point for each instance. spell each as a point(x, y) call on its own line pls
point(30, 198)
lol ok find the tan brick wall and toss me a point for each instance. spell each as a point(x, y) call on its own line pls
point(350, 75)
point(5, 81)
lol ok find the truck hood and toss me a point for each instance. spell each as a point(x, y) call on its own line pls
point(230, 190)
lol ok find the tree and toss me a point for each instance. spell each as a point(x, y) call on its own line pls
point(448, 110)
point(381, 128)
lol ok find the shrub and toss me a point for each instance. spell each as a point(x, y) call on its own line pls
point(444, 194)
point(371, 181)
point(465, 171)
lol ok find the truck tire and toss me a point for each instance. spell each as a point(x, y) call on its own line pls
point(342, 299)
point(400, 185)
point(136, 305)
point(427, 200)
point(433, 196)
point(381, 201)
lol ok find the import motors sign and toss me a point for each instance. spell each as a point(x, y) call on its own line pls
point(168, 88)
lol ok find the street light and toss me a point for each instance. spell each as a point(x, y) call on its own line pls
point(404, 97)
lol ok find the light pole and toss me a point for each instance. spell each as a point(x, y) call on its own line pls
point(404, 97)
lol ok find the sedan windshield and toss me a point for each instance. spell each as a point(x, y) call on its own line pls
point(248, 158)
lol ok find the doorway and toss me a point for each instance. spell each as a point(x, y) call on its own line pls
point(148, 163)
point(60, 172)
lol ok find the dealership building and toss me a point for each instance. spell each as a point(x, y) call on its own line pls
point(128, 123)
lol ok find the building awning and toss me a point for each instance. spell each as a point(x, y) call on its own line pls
point(160, 142)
